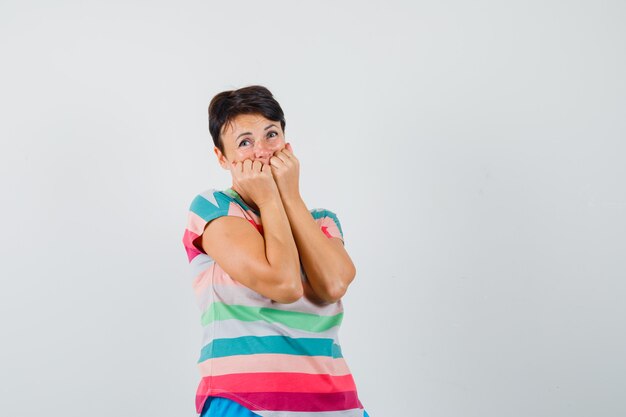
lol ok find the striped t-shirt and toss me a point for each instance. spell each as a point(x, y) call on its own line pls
point(277, 360)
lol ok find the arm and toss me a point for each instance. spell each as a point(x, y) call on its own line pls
point(328, 266)
point(267, 264)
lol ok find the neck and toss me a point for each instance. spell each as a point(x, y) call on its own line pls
point(245, 198)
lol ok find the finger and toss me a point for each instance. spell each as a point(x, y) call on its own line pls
point(266, 168)
point(282, 156)
point(277, 162)
point(287, 150)
point(247, 165)
point(257, 166)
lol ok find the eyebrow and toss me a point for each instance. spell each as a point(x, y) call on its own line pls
point(249, 133)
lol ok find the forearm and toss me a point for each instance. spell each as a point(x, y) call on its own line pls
point(328, 267)
point(280, 247)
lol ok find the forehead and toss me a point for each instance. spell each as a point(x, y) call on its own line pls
point(246, 123)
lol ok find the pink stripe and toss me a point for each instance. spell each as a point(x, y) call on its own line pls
point(213, 275)
point(282, 382)
point(273, 363)
point(188, 239)
point(287, 401)
point(195, 223)
point(331, 227)
point(224, 279)
point(203, 280)
point(192, 253)
point(235, 209)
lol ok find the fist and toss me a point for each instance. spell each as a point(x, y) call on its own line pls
point(286, 172)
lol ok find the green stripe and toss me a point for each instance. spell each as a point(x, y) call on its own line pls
point(251, 345)
point(293, 319)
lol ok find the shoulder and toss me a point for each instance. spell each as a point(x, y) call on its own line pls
point(209, 202)
point(319, 213)
point(328, 221)
point(205, 207)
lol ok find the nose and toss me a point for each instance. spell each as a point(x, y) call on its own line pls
point(263, 151)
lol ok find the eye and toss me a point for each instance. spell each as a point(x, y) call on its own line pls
point(272, 132)
point(242, 142)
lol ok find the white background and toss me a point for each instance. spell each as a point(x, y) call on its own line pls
point(473, 151)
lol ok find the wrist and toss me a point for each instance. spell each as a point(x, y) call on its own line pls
point(291, 201)
point(274, 201)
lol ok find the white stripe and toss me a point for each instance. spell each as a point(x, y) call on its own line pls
point(241, 295)
point(210, 196)
point(238, 294)
point(199, 264)
point(228, 329)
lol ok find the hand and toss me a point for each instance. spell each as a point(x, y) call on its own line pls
point(254, 179)
point(286, 172)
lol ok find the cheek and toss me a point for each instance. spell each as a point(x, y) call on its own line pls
point(243, 153)
point(278, 145)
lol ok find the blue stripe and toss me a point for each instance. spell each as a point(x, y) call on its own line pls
point(209, 211)
point(250, 345)
point(225, 407)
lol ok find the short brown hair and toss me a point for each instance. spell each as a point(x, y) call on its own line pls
point(254, 99)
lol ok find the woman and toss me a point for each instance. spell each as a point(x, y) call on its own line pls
point(269, 291)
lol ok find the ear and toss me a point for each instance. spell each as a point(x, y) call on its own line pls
point(221, 158)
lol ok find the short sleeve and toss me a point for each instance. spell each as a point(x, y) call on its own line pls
point(328, 222)
point(205, 207)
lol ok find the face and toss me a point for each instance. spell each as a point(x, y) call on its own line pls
point(250, 136)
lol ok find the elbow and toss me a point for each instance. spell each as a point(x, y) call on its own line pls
point(289, 292)
point(335, 292)
point(288, 295)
